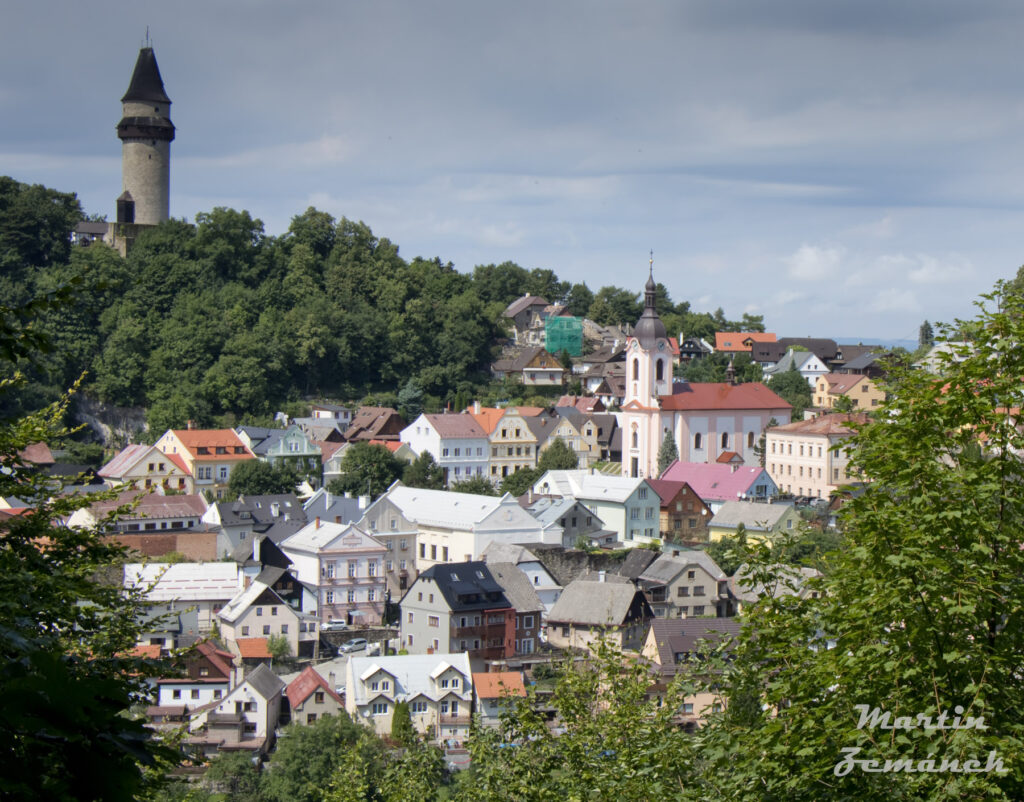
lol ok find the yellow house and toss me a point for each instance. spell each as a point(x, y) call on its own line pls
point(862, 392)
point(761, 521)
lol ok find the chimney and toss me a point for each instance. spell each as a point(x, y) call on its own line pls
point(600, 576)
point(364, 502)
point(476, 407)
point(316, 524)
point(331, 680)
point(275, 509)
point(189, 425)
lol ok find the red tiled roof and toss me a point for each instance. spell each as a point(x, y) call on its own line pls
point(390, 445)
point(667, 489)
point(455, 426)
point(842, 383)
point(496, 684)
point(729, 456)
point(37, 454)
point(300, 688)
point(253, 648)
point(487, 417)
point(220, 659)
point(150, 651)
point(713, 395)
point(212, 439)
point(823, 424)
point(177, 460)
point(733, 340)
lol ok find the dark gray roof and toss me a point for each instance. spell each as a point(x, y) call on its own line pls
point(825, 349)
point(265, 682)
point(331, 507)
point(863, 361)
point(597, 603)
point(259, 510)
point(467, 586)
point(147, 86)
point(680, 636)
point(516, 586)
point(636, 563)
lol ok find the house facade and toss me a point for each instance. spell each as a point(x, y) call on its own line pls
point(629, 507)
point(591, 611)
point(718, 483)
point(143, 467)
point(685, 584)
point(759, 521)
point(209, 455)
point(457, 443)
point(684, 514)
point(862, 392)
point(804, 458)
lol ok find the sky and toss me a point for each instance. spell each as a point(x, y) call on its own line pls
point(846, 169)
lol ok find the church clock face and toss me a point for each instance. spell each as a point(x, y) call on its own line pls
point(661, 346)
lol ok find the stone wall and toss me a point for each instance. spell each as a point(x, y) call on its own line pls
point(565, 565)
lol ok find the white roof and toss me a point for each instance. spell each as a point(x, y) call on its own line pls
point(184, 581)
point(240, 603)
point(414, 675)
point(587, 486)
point(442, 507)
point(315, 537)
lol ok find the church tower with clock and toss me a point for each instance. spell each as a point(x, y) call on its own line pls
point(648, 377)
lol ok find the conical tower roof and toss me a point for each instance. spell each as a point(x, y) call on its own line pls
point(649, 329)
point(147, 86)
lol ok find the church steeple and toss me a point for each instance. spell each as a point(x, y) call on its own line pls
point(650, 329)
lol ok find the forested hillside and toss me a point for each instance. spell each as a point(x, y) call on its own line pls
point(216, 317)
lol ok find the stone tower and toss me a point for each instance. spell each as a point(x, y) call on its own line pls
point(145, 132)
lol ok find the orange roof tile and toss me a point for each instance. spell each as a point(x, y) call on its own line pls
point(733, 340)
point(251, 648)
point(390, 445)
point(487, 417)
point(147, 650)
point(715, 395)
point(212, 439)
point(495, 684)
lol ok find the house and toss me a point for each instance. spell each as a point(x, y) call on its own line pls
point(375, 423)
point(209, 673)
point(208, 455)
point(942, 354)
point(860, 390)
point(590, 611)
point(674, 644)
point(332, 412)
point(529, 610)
point(143, 466)
point(805, 363)
point(384, 520)
point(576, 430)
point(458, 607)
point(747, 588)
point(686, 583)
point(871, 364)
point(803, 458)
point(238, 522)
point(346, 566)
point(717, 483)
point(186, 596)
point(244, 720)
point(437, 687)
point(628, 507)
point(694, 348)
point(329, 506)
point(760, 521)
point(533, 366)
point(684, 514)
point(494, 692)
point(543, 583)
point(522, 312)
point(570, 520)
point(513, 443)
point(740, 342)
point(290, 446)
point(457, 443)
point(311, 698)
point(452, 527)
point(259, 611)
point(585, 404)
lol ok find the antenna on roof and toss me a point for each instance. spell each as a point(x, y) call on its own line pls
point(148, 43)
point(652, 263)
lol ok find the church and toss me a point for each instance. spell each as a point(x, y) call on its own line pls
point(710, 422)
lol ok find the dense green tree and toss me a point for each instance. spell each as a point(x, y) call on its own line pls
point(367, 470)
point(233, 776)
point(918, 614)
point(613, 306)
point(424, 472)
point(402, 731)
point(558, 456)
point(579, 299)
point(519, 482)
point(257, 477)
point(410, 400)
point(926, 335)
point(500, 284)
point(667, 452)
point(477, 485)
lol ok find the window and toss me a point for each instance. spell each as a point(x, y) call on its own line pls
point(527, 622)
point(310, 718)
point(218, 693)
point(418, 707)
point(636, 439)
point(649, 513)
point(636, 370)
point(245, 632)
point(389, 566)
point(222, 472)
point(433, 621)
point(444, 683)
point(403, 544)
point(204, 671)
point(371, 568)
point(371, 594)
point(725, 439)
point(698, 590)
point(273, 611)
point(682, 591)
point(266, 629)
point(444, 553)
point(351, 596)
point(688, 707)
point(284, 629)
point(697, 442)
point(329, 597)
point(329, 569)
point(379, 708)
point(750, 439)
point(634, 513)
point(259, 611)
point(176, 693)
point(433, 551)
point(423, 551)
point(351, 570)
point(195, 693)
point(659, 370)
point(698, 610)
point(444, 452)
point(457, 450)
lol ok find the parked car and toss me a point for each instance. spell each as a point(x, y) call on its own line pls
point(334, 625)
point(354, 645)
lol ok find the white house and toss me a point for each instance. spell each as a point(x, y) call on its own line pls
point(438, 688)
point(628, 506)
point(457, 443)
point(245, 719)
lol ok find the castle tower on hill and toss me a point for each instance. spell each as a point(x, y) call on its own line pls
point(146, 132)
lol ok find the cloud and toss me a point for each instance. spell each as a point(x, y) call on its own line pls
point(894, 300)
point(814, 263)
point(316, 153)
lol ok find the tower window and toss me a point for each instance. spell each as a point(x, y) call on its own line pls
point(698, 441)
point(725, 439)
point(659, 370)
point(636, 370)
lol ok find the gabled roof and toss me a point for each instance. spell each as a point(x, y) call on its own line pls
point(151, 505)
point(303, 686)
point(825, 349)
point(461, 425)
point(715, 482)
point(667, 489)
point(715, 396)
point(125, 459)
point(412, 673)
point(833, 424)
point(222, 661)
point(240, 603)
point(313, 539)
point(37, 454)
point(517, 587)
point(636, 562)
point(668, 566)
point(212, 439)
point(728, 457)
point(498, 684)
point(589, 603)
point(207, 581)
point(441, 507)
point(487, 417)
point(681, 636)
point(587, 486)
point(264, 681)
point(864, 361)
point(519, 304)
point(735, 340)
point(583, 403)
point(755, 517)
point(842, 383)
point(508, 553)
point(792, 358)
point(466, 586)
point(328, 507)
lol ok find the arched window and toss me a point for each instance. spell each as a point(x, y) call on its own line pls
point(697, 442)
point(659, 370)
point(750, 439)
point(725, 439)
point(636, 370)
point(636, 438)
